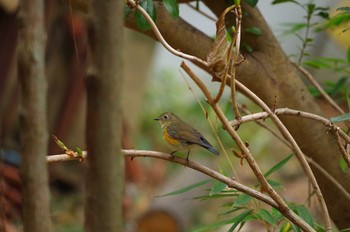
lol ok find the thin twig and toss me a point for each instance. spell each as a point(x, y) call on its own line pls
point(238, 14)
point(312, 80)
point(345, 155)
point(263, 115)
point(283, 207)
point(159, 36)
point(286, 111)
point(201, 12)
point(228, 53)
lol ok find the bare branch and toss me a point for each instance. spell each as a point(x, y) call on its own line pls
point(159, 36)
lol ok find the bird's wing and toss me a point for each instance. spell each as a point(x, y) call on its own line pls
point(183, 135)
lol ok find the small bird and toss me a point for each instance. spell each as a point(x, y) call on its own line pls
point(181, 136)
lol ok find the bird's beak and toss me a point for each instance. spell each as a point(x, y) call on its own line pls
point(157, 119)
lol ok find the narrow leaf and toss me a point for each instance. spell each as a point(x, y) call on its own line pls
point(339, 85)
point(213, 226)
point(341, 118)
point(343, 165)
point(217, 187)
point(266, 216)
point(242, 199)
point(172, 7)
point(304, 213)
point(239, 219)
point(254, 30)
point(348, 55)
point(186, 189)
point(278, 165)
point(283, 1)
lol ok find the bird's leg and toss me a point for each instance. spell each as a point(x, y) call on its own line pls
point(188, 154)
point(172, 154)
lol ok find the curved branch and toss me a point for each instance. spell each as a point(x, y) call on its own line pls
point(159, 36)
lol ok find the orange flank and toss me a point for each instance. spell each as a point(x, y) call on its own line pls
point(168, 139)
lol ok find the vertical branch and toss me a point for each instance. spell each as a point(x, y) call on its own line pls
point(34, 137)
point(234, 62)
point(105, 172)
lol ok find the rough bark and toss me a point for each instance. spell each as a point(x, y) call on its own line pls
point(34, 136)
point(269, 73)
point(105, 172)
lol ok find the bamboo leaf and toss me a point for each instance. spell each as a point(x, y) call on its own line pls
point(217, 187)
point(278, 165)
point(254, 30)
point(239, 219)
point(304, 213)
point(186, 189)
point(266, 216)
point(242, 199)
point(340, 118)
point(213, 226)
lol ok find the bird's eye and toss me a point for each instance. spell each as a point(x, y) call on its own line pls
point(166, 116)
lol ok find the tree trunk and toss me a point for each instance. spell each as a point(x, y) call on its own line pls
point(34, 137)
point(105, 172)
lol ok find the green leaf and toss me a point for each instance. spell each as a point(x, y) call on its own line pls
point(274, 183)
point(340, 118)
point(284, 1)
point(252, 3)
point(304, 213)
point(242, 199)
point(265, 215)
point(323, 14)
point(286, 227)
point(213, 226)
point(79, 151)
point(172, 7)
point(141, 21)
point(217, 187)
point(343, 165)
point(338, 86)
point(348, 55)
point(248, 48)
point(186, 189)
point(278, 165)
point(254, 30)
point(151, 10)
point(344, 9)
point(239, 219)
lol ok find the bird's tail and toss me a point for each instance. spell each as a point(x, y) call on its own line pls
point(213, 150)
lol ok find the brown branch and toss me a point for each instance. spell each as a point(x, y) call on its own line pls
point(232, 183)
point(286, 111)
point(234, 62)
